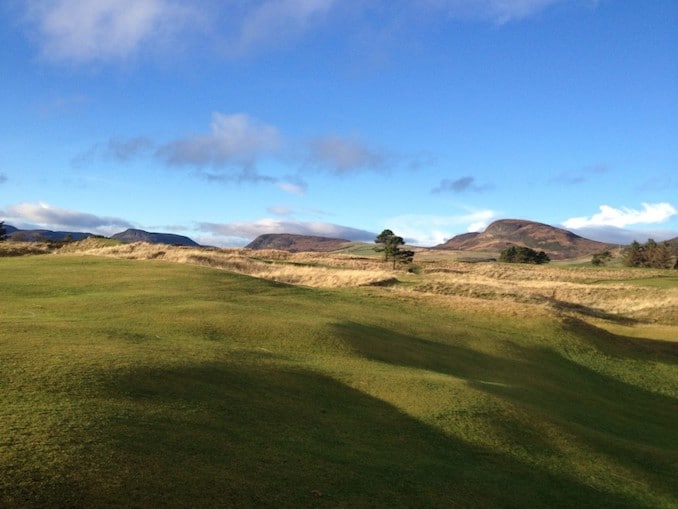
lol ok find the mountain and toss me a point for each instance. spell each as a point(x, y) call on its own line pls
point(296, 243)
point(132, 235)
point(555, 242)
point(16, 234)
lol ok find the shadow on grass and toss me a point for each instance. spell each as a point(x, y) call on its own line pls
point(624, 347)
point(634, 426)
point(562, 305)
point(239, 434)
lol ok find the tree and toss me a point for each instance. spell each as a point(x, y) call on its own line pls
point(661, 256)
point(650, 254)
point(601, 258)
point(522, 254)
point(3, 231)
point(634, 255)
point(389, 243)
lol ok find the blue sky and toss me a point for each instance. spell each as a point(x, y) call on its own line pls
point(226, 119)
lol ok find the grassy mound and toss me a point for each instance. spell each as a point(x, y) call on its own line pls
point(150, 384)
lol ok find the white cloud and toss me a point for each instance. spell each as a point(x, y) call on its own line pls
point(431, 230)
point(240, 233)
point(86, 31)
point(43, 215)
point(624, 236)
point(651, 213)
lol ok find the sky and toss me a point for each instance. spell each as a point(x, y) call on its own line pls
point(225, 119)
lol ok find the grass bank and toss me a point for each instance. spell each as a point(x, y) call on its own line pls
point(145, 383)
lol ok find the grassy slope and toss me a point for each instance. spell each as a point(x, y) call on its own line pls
point(154, 384)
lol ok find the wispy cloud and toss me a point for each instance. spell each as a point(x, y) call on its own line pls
point(279, 210)
point(659, 182)
point(117, 149)
point(459, 186)
point(105, 30)
point(236, 138)
point(240, 233)
point(236, 143)
point(342, 155)
point(292, 186)
point(581, 176)
point(497, 11)
point(231, 149)
point(3, 178)
point(43, 215)
point(62, 105)
point(651, 213)
point(83, 32)
point(269, 23)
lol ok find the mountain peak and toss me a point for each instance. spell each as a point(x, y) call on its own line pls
point(556, 242)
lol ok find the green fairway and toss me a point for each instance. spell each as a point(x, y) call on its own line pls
point(152, 384)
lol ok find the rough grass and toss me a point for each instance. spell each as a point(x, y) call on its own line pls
point(16, 248)
point(630, 295)
point(155, 384)
point(309, 269)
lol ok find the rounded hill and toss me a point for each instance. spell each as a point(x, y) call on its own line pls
point(556, 242)
point(297, 243)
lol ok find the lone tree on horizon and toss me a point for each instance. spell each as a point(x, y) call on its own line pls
point(389, 244)
point(3, 231)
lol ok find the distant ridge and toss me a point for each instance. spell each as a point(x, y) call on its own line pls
point(556, 242)
point(296, 243)
point(133, 235)
point(16, 234)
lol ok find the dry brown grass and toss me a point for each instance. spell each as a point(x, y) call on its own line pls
point(600, 293)
point(307, 269)
point(607, 294)
point(16, 248)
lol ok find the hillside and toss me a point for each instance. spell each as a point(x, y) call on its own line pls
point(556, 242)
point(133, 235)
point(297, 243)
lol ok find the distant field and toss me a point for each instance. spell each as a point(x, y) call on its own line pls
point(144, 383)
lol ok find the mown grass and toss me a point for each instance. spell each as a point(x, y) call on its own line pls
point(150, 384)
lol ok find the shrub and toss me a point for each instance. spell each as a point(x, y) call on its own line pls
point(522, 254)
